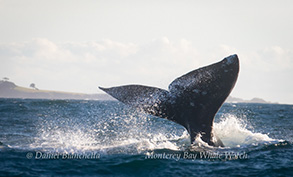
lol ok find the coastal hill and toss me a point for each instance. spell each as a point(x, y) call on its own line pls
point(10, 90)
point(231, 99)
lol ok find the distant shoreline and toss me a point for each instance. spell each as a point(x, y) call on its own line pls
point(231, 99)
point(11, 90)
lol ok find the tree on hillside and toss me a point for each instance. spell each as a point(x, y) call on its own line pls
point(32, 85)
point(5, 79)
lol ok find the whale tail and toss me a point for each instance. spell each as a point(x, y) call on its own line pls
point(192, 100)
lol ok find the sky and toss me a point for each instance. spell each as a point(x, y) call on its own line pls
point(76, 46)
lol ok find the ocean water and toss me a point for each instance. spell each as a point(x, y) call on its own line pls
point(107, 138)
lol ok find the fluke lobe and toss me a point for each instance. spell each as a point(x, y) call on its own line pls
point(192, 100)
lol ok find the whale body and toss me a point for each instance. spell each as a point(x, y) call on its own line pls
point(191, 100)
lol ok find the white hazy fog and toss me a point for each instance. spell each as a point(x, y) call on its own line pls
point(78, 45)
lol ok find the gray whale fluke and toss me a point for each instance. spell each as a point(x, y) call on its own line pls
point(192, 100)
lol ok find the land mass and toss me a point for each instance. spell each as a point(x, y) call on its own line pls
point(231, 99)
point(10, 90)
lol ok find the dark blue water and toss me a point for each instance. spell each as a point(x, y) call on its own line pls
point(106, 138)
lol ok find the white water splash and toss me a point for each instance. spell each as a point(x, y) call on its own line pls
point(134, 139)
point(67, 141)
point(233, 133)
point(78, 141)
point(122, 134)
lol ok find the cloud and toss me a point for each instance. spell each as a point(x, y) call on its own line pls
point(82, 66)
point(102, 61)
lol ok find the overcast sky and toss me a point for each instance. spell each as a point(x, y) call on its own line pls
point(78, 45)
